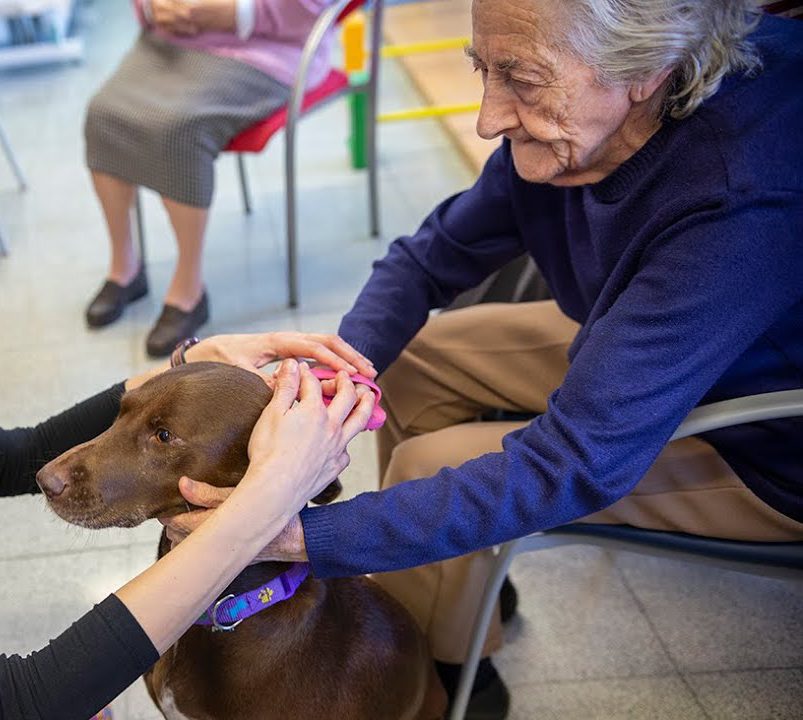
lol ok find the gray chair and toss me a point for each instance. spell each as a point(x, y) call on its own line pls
point(782, 560)
point(16, 169)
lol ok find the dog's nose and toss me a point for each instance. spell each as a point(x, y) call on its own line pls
point(51, 483)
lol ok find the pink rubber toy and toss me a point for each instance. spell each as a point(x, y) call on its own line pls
point(378, 416)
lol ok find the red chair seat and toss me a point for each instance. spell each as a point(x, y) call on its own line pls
point(254, 138)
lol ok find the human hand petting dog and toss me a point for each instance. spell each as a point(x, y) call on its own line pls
point(252, 352)
point(304, 440)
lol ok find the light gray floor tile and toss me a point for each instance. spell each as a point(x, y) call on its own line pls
point(766, 695)
point(711, 619)
point(51, 592)
point(31, 530)
point(657, 698)
point(577, 621)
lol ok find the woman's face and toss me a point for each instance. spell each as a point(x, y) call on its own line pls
point(564, 128)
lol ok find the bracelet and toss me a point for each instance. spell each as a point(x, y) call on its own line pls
point(177, 356)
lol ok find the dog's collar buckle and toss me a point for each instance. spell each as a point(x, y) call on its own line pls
point(229, 611)
point(218, 626)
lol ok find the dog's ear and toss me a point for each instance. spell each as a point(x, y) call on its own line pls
point(329, 493)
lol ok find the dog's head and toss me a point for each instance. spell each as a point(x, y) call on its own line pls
point(193, 420)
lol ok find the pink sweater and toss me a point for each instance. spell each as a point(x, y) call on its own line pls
point(270, 36)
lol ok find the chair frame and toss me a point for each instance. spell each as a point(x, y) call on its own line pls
point(778, 560)
point(325, 22)
point(22, 183)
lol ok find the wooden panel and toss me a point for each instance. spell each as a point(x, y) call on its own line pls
point(442, 78)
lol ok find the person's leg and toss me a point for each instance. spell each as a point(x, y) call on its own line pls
point(189, 226)
point(116, 198)
point(691, 489)
point(186, 306)
point(444, 597)
point(495, 356)
point(125, 280)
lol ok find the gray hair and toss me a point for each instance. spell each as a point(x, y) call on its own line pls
point(699, 41)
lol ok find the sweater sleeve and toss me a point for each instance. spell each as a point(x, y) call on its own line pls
point(463, 241)
point(705, 289)
point(79, 672)
point(23, 451)
point(142, 10)
point(286, 20)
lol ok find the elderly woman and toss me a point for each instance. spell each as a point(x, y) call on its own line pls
point(651, 164)
point(200, 72)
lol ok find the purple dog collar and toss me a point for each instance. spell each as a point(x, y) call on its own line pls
point(228, 612)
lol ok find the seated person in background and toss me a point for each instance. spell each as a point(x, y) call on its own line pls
point(200, 72)
point(651, 165)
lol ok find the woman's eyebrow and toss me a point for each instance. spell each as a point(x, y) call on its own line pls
point(472, 54)
point(508, 64)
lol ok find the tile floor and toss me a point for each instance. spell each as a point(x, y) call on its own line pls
point(600, 636)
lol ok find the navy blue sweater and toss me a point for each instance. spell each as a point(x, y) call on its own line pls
point(684, 268)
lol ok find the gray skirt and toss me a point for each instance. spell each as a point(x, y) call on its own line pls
point(162, 118)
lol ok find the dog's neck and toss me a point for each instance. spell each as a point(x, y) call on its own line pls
point(255, 575)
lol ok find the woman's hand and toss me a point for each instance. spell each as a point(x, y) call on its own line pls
point(308, 439)
point(255, 351)
point(174, 17)
point(179, 17)
point(287, 546)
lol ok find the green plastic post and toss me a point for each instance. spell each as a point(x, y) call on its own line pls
point(358, 106)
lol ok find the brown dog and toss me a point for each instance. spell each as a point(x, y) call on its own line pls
point(338, 648)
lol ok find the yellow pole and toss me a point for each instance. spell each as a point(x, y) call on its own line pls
point(391, 51)
point(425, 112)
point(354, 42)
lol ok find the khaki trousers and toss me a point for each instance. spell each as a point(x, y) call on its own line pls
point(511, 357)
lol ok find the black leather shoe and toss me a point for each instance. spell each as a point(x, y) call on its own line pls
point(508, 600)
point(490, 699)
point(175, 325)
point(108, 305)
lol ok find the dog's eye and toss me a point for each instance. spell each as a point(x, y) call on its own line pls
point(163, 435)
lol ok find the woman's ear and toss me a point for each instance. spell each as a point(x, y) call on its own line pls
point(643, 90)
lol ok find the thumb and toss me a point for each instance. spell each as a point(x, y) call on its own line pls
point(201, 494)
point(285, 387)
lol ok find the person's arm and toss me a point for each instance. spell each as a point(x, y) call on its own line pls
point(287, 20)
point(23, 451)
point(462, 242)
point(705, 290)
point(294, 450)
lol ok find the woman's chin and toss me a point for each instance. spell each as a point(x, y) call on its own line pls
point(535, 162)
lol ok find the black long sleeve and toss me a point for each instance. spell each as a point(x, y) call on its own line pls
point(23, 451)
point(81, 671)
point(93, 661)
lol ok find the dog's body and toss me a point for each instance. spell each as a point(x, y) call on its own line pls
point(338, 648)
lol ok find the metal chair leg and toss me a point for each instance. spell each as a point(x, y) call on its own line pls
point(244, 183)
point(371, 120)
point(12, 160)
point(3, 250)
point(139, 226)
point(487, 606)
point(290, 212)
